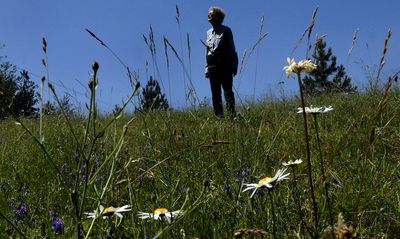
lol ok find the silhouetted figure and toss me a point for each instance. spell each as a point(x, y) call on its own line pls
point(222, 62)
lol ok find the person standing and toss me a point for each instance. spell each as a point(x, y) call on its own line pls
point(221, 62)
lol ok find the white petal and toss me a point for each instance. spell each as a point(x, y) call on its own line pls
point(249, 188)
point(255, 190)
point(168, 217)
point(125, 208)
point(144, 215)
point(175, 213)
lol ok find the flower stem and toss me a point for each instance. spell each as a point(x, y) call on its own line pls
point(295, 198)
point(308, 153)
point(325, 183)
point(273, 215)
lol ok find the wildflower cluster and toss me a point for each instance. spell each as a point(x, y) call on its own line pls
point(158, 214)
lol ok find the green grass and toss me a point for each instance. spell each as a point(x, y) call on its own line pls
point(192, 161)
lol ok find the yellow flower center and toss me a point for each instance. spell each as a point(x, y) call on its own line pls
point(160, 211)
point(263, 181)
point(109, 211)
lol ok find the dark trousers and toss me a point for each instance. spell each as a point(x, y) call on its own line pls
point(218, 79)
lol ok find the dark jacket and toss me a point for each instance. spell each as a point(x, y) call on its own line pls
point(220, 50)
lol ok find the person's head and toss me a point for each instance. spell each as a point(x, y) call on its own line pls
point(216, 15)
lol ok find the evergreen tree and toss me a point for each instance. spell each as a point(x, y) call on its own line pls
point(53, 108)
point(152, 97)
point(24, 99)
point(328, 77)
point(17, 91)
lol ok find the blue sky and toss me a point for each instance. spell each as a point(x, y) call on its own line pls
point(122, 24)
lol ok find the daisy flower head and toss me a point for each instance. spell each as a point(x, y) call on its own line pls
point(306, 66)
point(292, 163)
point(108, 212)
point(301, 66)
point(267, 182)
point(315, 110)
point(290, 66)
point(160, 214)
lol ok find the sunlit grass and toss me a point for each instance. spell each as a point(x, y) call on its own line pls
point(194, 162)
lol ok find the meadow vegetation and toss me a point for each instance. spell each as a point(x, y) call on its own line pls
point(90, 175)
point(194, 162)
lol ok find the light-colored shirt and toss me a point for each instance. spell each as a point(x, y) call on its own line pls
point(220, 49)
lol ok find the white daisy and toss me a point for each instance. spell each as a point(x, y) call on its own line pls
point(291, 163)
point(290, 66)
point(267, 182)
point(315, 110)
point(301, 66)
point(108, 212)
point(159, 214)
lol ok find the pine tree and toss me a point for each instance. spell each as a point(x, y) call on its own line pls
point(152, 97)
point(327, 78)
point(17, 91)
point(24, 99)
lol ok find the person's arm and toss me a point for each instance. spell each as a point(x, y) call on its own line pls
point(232, 52)
point(205, 58)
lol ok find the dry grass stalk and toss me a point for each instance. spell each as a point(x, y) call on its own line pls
point(249, 231)
point(262, 25)
point(116, 56)
point(353, 42)
point(385, 96)
point(166, 51)
point(246, 56)
point(95, 37)
point(309, 30)
point(177, 14)
point(262, 36)
point(213, 143)
point(189, 48)
point(343, 231)
point(382, 61)
point(191, 90)
point(44, 43)
point(242, 61)
point(311, 26)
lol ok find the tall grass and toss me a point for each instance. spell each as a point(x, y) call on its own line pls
point(189, 161)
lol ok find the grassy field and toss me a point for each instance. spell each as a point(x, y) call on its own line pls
point(193, 162)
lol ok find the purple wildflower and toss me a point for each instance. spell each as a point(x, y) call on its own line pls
point(22, 209)
point(11, 203)
point(5, 185)
point(109, 234)
point(53, 213)
point(147, 148)
point(83, 177)
point(227, 189)
point(57, 226)
point(76, 157)
point(61, 168)
point(80, 228)
point(244, 173)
